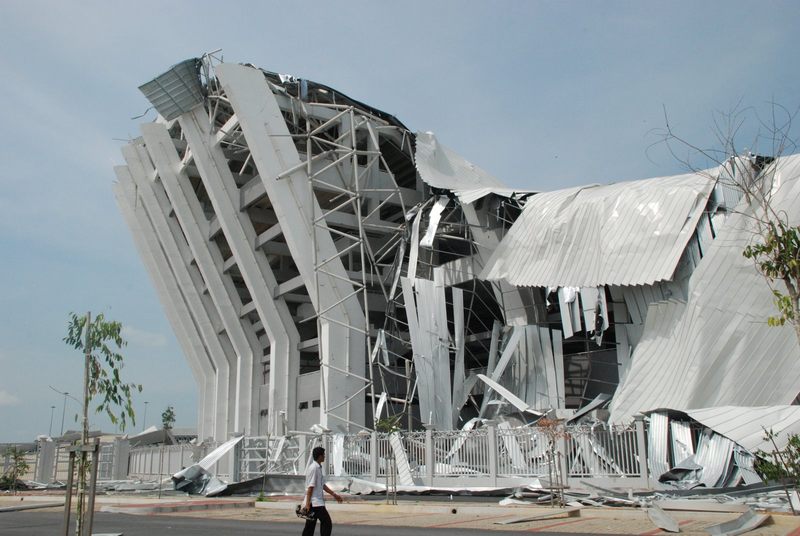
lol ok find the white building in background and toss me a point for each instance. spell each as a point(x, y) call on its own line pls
point(321, 264)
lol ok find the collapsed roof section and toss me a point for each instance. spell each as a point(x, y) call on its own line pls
point(746, 425)
point(715, 348)
point(320, 264)
point(624, 234)
point(442, 168)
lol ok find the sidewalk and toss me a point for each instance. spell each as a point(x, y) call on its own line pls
point(588, 520)
point(427, 514)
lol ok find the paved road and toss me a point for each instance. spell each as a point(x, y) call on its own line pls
point(49, 523)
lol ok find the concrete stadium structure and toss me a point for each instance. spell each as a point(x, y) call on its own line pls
point(320, 264)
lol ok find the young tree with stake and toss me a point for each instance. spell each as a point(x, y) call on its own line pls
point(100, 341)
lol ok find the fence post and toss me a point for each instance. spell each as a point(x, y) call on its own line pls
point(236, 461)
point(47, 459)
point(36, 459)
point(120, 459)
point(430, 462)
point(493, 453)
point(302, 449)
point(641, 448)
point(373, 456)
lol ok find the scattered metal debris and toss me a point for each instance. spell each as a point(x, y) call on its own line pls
point(198, 479)
point(554, 514)
point(661, 519)
point(745, 523)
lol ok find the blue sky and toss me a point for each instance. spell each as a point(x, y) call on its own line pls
point(543, 95)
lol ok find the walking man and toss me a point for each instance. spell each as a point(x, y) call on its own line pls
point(314, 499)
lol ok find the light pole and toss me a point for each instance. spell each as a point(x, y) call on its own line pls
point(63, 413)
point(64, 408)
point(50, 431)
point(144, 420)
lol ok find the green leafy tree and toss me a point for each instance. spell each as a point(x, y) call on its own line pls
point(16, 469)
point(777, 257)
point(105, 363)
point(780, 465)
point(101, 342)
point(168, 418)
point(388, 425)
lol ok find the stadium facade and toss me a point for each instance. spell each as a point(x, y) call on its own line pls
point(322, 265)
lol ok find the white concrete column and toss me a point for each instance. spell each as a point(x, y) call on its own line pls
point(143, 174)
point(256, 272)
point(209, 261)
point(171, 298)
point(342, 348)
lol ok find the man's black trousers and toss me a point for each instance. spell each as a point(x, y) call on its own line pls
point(326, 526)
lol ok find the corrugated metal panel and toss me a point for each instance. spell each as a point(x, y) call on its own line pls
point(630, 233)
point(176, 91)
point(682, 446)
point(745, 462)
point(714, 455)
point(657, 434)
point(401, 460)
point(558, 363)
point(427, 325)
point(441, 167)
point(717, 349)
point(745, 425)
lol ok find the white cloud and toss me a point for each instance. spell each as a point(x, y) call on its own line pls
point(7, 399)
point(143, 337)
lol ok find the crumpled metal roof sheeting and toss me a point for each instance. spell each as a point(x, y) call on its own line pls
point(717, 350)
point(695, 356)
point(628, 233)
point(714, 454)
point(657, 444)
point(746, 425)
point(442, 168)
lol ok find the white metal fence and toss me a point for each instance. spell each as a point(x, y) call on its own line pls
point(491, 455)
point(163, 460)
point(489, 452)
point(601, 451)
point(486, 456)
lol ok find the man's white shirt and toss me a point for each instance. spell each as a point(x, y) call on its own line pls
point(314, 477)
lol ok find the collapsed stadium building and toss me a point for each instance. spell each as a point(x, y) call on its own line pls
point(322, 265)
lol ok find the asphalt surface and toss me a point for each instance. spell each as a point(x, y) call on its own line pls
point(200, 516)
point(37, 523)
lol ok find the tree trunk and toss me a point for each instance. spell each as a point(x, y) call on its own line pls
point(82, 465)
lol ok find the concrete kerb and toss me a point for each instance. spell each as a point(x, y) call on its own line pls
point(178, 506)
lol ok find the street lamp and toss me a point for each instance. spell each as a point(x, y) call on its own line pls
point(63, 412)
point(144, 420)
point(64, 408)
point(50, 432)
